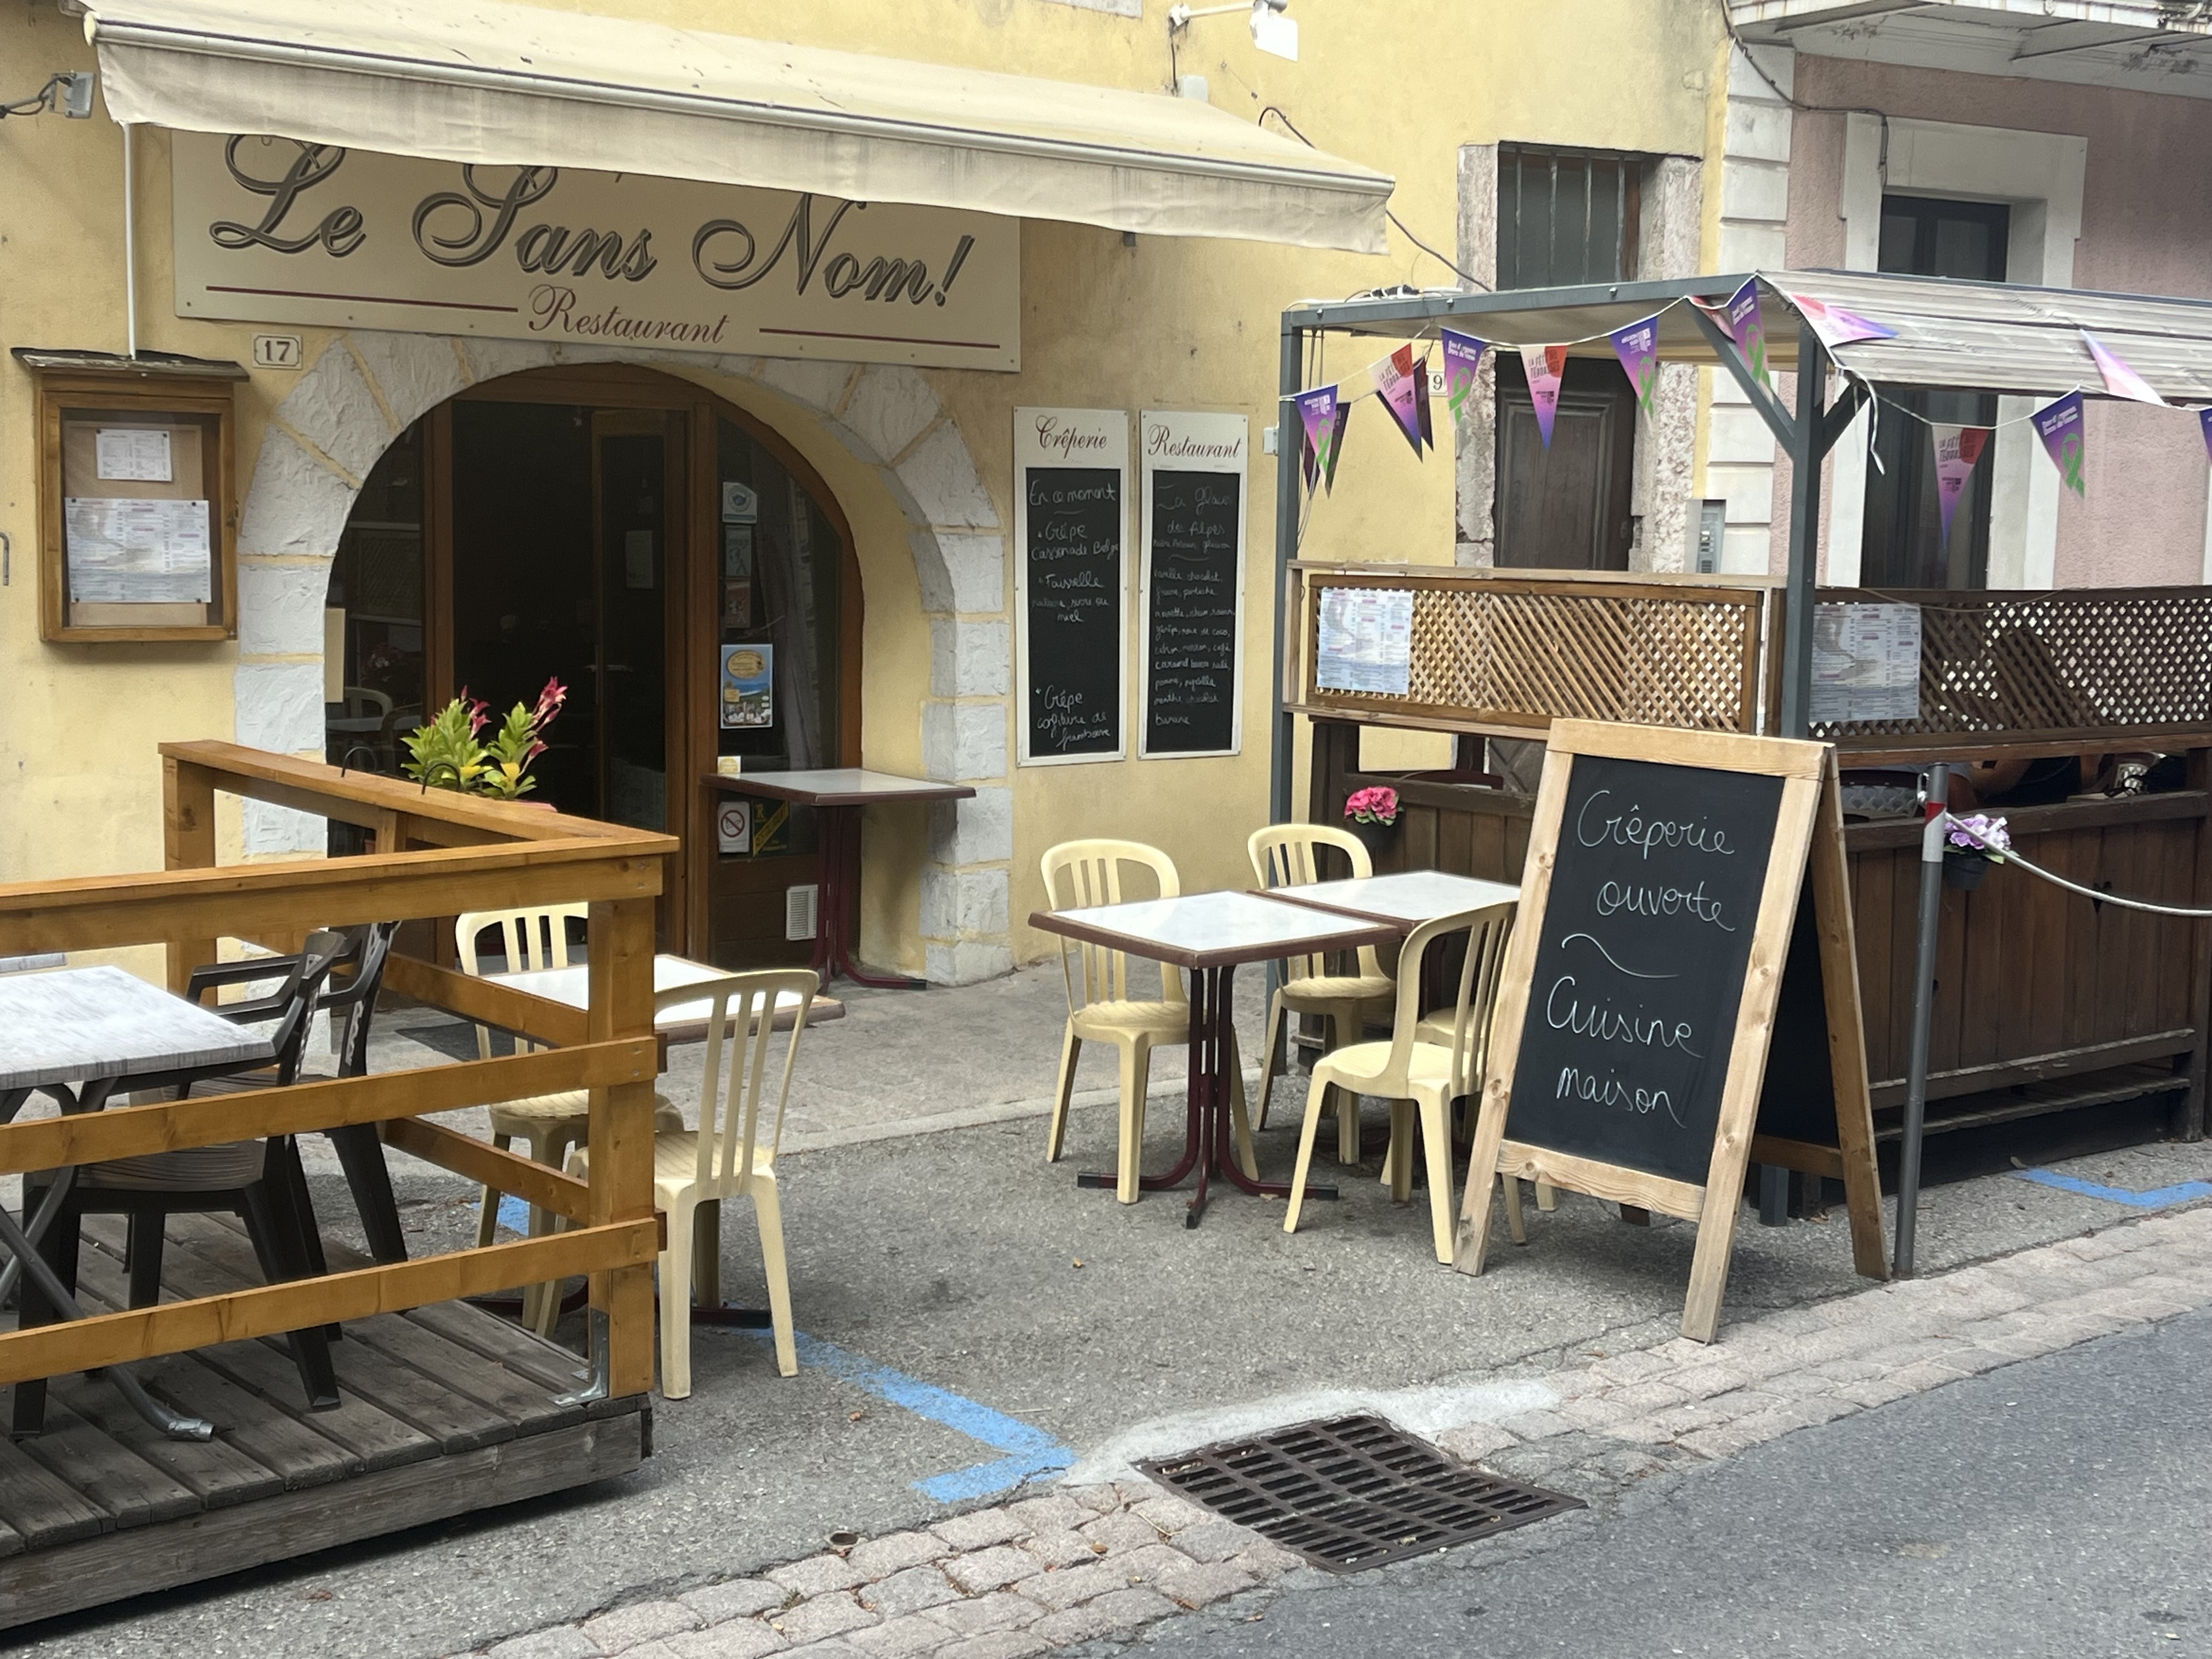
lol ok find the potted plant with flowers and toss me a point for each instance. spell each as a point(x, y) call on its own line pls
point(1971, 845)
point(449, 751)
point(1372, 814)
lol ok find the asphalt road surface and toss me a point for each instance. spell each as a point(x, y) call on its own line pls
point(2061, 1507)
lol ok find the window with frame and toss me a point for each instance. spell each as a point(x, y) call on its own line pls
point(1566, 216)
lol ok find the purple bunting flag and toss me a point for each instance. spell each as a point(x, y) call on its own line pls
point(1463, 356)
point(1957, 449)
point(2059, 424)
point(1428, 425)
point(2120, 379)
point(1321, 412)
point(1637, 347)
point(2205, 422)
point(1402, 383)
point(1835, 326)
point(1748, 329)
point(1544, 366)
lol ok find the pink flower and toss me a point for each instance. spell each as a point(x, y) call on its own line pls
point(550, 701)
point(1376, 805)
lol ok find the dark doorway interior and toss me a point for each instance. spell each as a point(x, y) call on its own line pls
point(1902, 544)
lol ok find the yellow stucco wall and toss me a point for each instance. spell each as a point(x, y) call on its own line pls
point(1185, 325)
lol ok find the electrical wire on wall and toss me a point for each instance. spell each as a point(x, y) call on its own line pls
point(1739, 44)
point(1291, 127)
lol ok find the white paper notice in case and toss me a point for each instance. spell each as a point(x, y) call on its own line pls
point(1366, 641)
point(124, 550)
point(1866, 663)
point(133, 455)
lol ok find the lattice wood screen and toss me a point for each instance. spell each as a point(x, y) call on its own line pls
point(1524, 651)
point(2030, 665)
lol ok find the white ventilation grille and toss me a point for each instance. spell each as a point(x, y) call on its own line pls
point(802, 909)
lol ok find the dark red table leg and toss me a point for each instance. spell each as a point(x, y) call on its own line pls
point(838, 922)
point(1224, 1150)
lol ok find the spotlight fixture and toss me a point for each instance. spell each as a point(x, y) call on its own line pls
point(1272, 32)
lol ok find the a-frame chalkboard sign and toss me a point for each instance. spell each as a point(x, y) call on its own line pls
point(1640, 992)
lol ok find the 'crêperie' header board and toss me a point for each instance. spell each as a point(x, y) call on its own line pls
point(1071, 582)
point(1639, 992)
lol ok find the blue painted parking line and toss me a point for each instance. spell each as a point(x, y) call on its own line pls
point(1031, 1454)
point(2157, 1198)
point(514, 1214)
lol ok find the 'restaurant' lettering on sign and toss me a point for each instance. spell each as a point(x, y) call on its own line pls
point(530, 250)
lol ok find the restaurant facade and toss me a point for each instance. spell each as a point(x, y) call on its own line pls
point(732, 456)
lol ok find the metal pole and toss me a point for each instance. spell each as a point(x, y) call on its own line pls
point(1923, 1005)
point(130, 245)
point(1286, 549)
point(1804, 459)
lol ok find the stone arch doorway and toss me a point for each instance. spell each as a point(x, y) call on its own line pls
point(913, 475)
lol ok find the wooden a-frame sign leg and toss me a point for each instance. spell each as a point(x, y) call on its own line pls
point(1806, 820)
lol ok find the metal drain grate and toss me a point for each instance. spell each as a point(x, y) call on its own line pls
point(1353, 1493)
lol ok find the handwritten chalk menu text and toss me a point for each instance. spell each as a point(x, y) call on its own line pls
point(1072, 477)
point(1193, 582)
point(1639, 970)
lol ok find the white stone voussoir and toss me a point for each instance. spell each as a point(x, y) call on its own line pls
point(333, 409)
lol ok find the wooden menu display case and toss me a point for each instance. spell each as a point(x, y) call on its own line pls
point(137, 522)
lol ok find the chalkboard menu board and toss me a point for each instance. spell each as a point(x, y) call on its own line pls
point(1639, 996)
point(1639, 970)
point(1193, 583)
point(1071, 513)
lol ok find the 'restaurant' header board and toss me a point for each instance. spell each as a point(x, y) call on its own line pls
point(274, 230)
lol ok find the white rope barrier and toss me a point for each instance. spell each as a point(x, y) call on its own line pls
point(2005, 855)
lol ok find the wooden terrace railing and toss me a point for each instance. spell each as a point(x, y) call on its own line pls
point(439, 854)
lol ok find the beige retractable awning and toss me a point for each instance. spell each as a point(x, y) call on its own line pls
point(464, 81)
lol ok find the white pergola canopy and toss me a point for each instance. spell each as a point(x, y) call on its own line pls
point(473, 81)
point(2146, 46)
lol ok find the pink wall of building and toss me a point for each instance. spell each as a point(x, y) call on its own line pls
point(2146, 228)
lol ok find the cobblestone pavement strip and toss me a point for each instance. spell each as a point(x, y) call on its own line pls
point(1083, 1565)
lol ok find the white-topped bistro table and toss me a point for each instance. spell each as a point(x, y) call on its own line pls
point(837, 794)
point(1209, 934)
point(684, 1023)
point(78, 1034)
point(1405, 899)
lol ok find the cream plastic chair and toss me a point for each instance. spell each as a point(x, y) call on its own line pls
point(1442, 1027)
point(1283, 856)
point(549, 1126)
point(695, 1170)
point(1411, 1073)
point(1078, 874)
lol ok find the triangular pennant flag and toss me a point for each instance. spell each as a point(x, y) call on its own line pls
point(1319, 413)
point(1638, 348)
point(2120, 380)
point(1837, 327)
point(1402, 384)
point(1748, 329)
point(1957, 449)
point(1335, 448)
point(1463, 356)
point(1544, 366)
point(2059, 424)
point(2204, 423)
point(1428, 425)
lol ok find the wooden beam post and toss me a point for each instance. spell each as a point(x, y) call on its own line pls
point(621, 946)
point(187, 843)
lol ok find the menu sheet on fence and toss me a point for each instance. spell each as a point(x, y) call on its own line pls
point(1866, 663)
point(1366, 641)
point(137, 550)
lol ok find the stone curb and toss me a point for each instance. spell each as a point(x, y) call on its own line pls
point(1073, 1566)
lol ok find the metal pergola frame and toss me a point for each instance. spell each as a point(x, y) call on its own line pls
point(1806, 436)
point(1584, 315)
